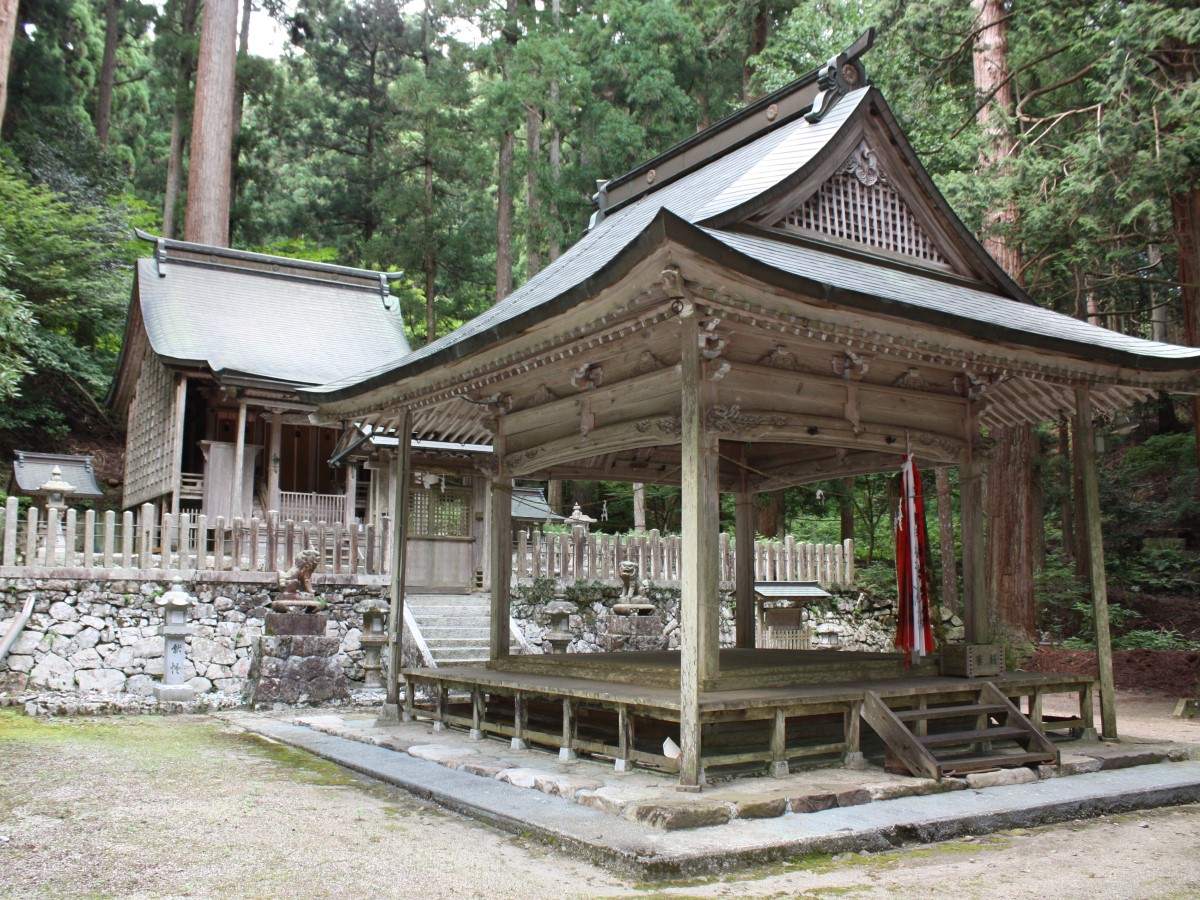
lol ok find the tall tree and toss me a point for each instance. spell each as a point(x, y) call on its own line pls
point(1012, 530)
point(108, 70)
point(8, 31)
point(183, 55)
point(210, 169)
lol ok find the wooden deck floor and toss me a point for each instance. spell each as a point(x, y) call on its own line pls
point(623, 705)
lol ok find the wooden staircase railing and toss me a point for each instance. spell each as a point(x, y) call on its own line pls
point(966, 744)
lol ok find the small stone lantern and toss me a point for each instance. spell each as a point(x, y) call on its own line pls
point(828, 637)
point(560, 611)
point(175, 629)
point(56, 490)
point(374, 636)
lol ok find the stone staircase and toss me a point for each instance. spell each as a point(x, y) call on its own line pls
point(454, 626)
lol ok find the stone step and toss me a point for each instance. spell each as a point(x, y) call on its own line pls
point(456, 654)
point(437, 644)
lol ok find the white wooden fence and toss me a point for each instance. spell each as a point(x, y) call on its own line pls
point(585, 557)
point(84, 540)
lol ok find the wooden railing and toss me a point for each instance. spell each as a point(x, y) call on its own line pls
point(584, 557)
point(76, 539)
point(312, 507)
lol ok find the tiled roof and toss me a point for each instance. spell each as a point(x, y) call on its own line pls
point(275, 326)
point(32, 470)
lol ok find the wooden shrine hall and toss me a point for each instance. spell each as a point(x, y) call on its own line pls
point(780, 299)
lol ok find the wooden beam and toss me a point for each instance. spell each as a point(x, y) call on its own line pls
point(1095, 542)
point(401, 465)
point(743, 506)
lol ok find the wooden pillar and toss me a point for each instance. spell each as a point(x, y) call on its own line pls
point(500, 550)
point(977, 605)
point(743, 556)
point(274, 459)
point(639, 508)
point(393, 484)
point(239, 460)
point(699, 647)
point(177, 443)
point(351, 494)
point(395, 635)
point(1095, 544)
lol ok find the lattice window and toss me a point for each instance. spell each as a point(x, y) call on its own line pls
point(859, 204)
point(437, 513)
point(149, 437)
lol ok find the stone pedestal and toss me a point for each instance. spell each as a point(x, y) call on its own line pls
point(295, 663)
point(615, 633)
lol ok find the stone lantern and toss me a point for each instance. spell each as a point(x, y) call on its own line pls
point(374, 636)
point(174, 630)
point(560, 611)
point(56, 490)
point(828, 637)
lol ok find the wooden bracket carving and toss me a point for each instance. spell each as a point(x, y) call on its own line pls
point(912, 379)
point(973, 386)
point(648, 362)
point(588, 377)
point(711, 345)
point(849, 365)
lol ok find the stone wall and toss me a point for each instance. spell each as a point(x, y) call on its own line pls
point(101, 636)
point(862, 622)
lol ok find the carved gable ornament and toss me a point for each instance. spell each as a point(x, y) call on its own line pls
point(861, 204)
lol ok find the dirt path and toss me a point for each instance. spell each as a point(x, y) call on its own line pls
point(182, 807)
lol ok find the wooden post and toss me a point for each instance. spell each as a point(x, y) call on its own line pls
point(402, 464)
point(852, 729)
point(351, 494)
point(478, 713)
point(520, 722)
point(11, 514)
point(388, 556)
point(976, 604)
point(566, 752)
point(31, 528)
point(69, 528)
point(500, 557)
point(699, 648)
point(624, 761)
point(239, 460)
point(110, 534)
point(177, 443)
point(202, 542)
point(89, 538)
point(743, 561)
point(779, 761)
point(1095, 543)
point(127, 529)
point(274, 453)
point(146, 536)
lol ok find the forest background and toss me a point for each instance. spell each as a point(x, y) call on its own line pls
point(460, 143)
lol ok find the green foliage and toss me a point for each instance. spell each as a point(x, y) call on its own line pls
point(1159, 572)
point(67, 262)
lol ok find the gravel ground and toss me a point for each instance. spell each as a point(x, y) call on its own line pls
point(184, 807)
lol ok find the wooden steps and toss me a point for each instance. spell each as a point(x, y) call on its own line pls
point(999, 736)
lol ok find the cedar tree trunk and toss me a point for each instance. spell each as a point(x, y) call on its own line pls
point(209, 175)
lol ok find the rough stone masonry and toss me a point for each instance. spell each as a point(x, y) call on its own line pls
point(103, 636)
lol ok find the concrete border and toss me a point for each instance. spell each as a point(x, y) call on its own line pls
point(649, 853)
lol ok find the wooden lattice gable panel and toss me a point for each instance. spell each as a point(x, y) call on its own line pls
point(863, 204)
